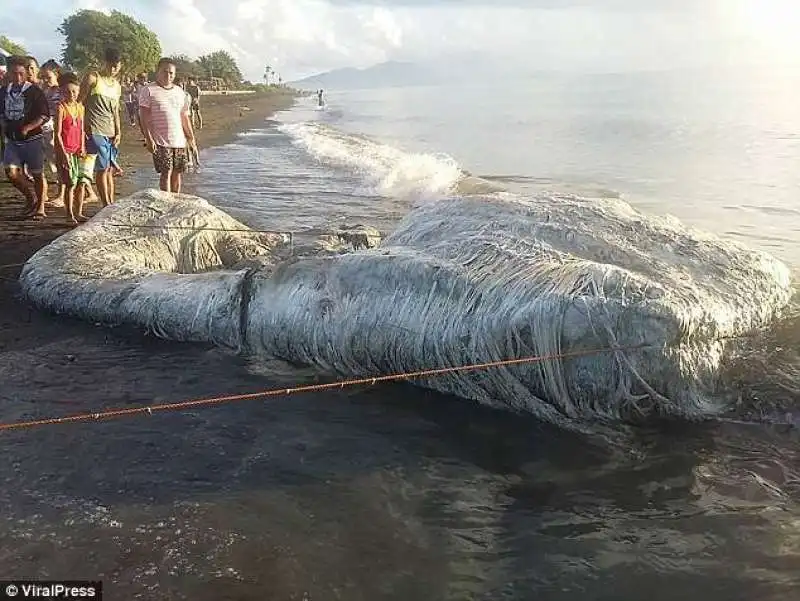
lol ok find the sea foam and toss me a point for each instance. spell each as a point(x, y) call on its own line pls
point(387, 170)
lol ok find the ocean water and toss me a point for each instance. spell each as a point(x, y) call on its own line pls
point(717, 150)
point(399, 493)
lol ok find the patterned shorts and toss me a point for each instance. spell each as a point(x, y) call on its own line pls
point(86, 168)
point(170, 159)
point(75, 170)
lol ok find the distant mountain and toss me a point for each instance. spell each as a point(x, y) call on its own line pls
point(388, 74)
point(466, 68)
point(452, 70)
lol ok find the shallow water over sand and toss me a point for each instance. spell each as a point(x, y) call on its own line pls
point(389, 493)
point(380, 493)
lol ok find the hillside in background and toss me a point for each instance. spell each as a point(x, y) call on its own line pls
point(398, 74)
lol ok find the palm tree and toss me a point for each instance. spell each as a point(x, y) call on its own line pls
point(267, 71)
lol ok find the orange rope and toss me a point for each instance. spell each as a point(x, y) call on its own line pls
point(177, 406)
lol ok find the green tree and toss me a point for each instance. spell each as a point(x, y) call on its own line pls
point(88, 33)
point(221, 64)
point(12, 47)
point(186, 67)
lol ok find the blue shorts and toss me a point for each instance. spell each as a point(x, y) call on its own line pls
point(103, 149)
point(29, 153)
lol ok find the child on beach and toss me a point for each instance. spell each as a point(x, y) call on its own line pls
point(71, 145)
point(48, 81)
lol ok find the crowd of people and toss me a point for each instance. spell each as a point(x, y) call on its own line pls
point(56, 124)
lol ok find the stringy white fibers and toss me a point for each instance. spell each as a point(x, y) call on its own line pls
point(460, 281)
point(159, 279)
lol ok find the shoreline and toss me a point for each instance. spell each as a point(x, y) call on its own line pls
point(224, 118)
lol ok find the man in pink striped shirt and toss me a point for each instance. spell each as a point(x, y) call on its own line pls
point(164, 113)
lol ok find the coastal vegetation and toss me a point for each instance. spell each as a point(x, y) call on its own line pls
point(11, 46)
point(87, 33)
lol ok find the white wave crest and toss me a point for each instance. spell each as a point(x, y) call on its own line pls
point(460, 281)
point(386, 170)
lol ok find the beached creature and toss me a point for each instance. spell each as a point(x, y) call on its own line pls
point(459, 281)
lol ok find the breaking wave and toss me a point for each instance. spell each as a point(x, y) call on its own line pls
point(393, 172)
point(386, 170)
point(460, 281)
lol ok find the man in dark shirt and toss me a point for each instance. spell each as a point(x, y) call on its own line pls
point(23, 111)
point(194, 108)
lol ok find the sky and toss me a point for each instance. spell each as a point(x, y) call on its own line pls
point(302, 37)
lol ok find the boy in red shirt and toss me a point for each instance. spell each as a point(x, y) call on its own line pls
point(70, 145)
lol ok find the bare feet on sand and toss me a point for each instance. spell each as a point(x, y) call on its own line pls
point(32, 214)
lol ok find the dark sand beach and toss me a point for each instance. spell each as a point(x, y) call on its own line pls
point(161, 478)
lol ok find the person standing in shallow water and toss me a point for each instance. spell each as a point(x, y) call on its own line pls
point(164, 110)
point(101, 94)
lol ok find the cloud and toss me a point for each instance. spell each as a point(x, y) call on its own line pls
point(299, 37)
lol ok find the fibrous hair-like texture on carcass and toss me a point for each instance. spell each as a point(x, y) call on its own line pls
point(460, 281)
point(153, 260)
